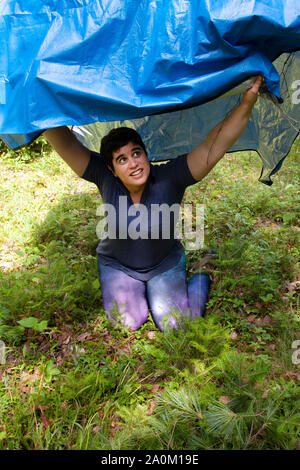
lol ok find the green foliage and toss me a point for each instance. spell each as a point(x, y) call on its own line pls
point(72, 381)
point(199, 339)
point(26, 154)
point(32, 322)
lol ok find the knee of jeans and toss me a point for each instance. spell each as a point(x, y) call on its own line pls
point(135, 323)
point(168, 324)
point(165, 321)
point(128, 319)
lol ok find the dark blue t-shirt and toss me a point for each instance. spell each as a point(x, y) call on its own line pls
point(141, 242)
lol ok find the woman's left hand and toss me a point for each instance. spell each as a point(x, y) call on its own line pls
point(250, 95)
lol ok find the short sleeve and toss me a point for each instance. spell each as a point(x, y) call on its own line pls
point(96, 170)
point(181, 172)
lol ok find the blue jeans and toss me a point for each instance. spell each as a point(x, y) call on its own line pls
point(168, 296)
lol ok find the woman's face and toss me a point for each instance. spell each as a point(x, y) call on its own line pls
point(131, 166)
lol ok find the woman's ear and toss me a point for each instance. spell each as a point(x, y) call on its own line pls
point(111, 169)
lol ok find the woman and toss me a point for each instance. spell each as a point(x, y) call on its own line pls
point(148, 272)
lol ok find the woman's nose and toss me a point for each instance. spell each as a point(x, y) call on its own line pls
point(132, 162)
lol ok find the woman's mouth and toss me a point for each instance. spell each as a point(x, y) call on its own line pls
point(137, 173)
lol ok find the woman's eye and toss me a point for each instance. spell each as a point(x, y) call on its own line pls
point(136, 154)
point(122, 160)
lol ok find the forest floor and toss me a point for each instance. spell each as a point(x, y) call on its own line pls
point(71, 380)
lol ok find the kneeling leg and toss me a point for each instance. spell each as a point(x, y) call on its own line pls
point(123, 296)
point(167, 296)
point(198, 289)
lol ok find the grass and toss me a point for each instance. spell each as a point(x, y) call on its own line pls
point(72, 381)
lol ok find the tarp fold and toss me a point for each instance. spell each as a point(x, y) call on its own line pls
point(157, 64)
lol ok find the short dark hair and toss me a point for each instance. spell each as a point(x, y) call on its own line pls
point(117, 138)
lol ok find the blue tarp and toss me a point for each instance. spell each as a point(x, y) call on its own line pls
point(156, 65)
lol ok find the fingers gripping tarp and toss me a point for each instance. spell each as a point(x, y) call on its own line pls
point(77, 62)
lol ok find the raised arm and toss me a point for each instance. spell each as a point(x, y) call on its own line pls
point(76, 155)
point(204, 157)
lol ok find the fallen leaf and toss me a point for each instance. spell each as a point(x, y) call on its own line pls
point(291, 286)
point(155, 388)
point(150, 408)
point(224, 399)
point(267, 320)
point(264, 321)
point(140, 370)
point(45, 421)
point(62, 338)
point(151, 335)
point(251, 318)
point(84, 336)
point(288, 375)
point(41, 407)
point(258, 305)
point(67, 340)
point(27, 379)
